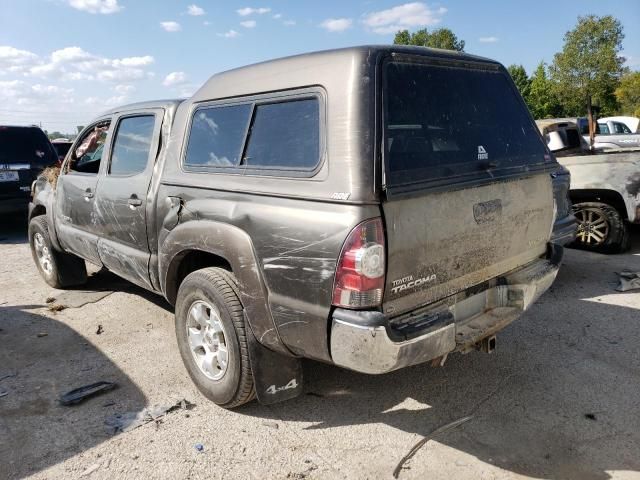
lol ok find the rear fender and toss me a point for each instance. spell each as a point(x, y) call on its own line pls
point(235, 246)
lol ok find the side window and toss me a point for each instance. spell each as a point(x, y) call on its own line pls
point(285, 135)
point(603, 129)
point(88, 154)
point(132, 145)
point(217, 135)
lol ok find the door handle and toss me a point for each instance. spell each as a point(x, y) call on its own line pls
point(88, 194)
point(134, 201)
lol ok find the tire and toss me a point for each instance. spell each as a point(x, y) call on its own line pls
point(209, 322)
point(58, 269)
point(601, 228)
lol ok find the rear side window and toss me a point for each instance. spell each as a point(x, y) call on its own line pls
point(217, 136)
point(285, 135)
point(132, 145)
point(443, 121)
point(26, 145)
point(259, 135)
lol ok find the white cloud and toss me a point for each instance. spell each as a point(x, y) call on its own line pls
point(243, 12)
point(174, 79)
point(248, 24)
point(408, 15)
point(488, 39)
point(336, 24)
point(124, 89)
point(277, 16)
point(13, 60)
point(289, 23)
point(229, 34)
point(206, 23)
point(171, 26)
point(195, 10)
point(96, 6)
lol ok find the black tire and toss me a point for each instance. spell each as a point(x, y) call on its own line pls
point(65, 270)
point(216, 287)
point(613, 234)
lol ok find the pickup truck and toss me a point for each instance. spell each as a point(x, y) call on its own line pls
point(369, 207)
point(605, 187)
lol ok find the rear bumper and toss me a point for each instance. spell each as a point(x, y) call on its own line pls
point(14, 204)
point(366, 342)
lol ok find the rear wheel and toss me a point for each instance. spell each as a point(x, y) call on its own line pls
point(601, 228)
point(210, 330)
point(58, 269)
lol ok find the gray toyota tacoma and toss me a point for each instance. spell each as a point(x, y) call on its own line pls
point(370, 207)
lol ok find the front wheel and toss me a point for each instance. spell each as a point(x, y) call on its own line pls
point(58, 269)
point(211, 335)
point(601, 228)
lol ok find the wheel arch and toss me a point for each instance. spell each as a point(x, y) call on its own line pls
point(610, 197)
point(203, 243)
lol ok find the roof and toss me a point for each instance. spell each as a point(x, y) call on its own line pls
point(144, 106)
point(311, 68)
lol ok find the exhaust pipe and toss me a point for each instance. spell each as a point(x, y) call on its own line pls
point(487, 345)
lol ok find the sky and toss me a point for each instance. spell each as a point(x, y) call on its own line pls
point(62, 62)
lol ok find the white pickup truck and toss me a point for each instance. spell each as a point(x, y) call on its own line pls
point(605, 186)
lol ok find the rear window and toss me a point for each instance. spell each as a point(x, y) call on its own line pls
point(25, 144)
point(443, 121)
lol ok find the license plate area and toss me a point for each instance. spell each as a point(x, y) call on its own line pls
point(9, 176)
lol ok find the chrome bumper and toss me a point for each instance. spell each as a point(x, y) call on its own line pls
point(365, 341)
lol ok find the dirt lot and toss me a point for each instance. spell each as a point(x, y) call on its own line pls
point(560, 398)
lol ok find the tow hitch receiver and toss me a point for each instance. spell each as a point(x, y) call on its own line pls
point(487, 344)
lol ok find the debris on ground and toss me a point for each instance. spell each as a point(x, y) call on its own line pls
point(271, 425)
point(82, 393)
point(42, 334)
point(421, 443)
point(50, 299)
point(199, 447)
point(3, 393)
point(628, 281)
point(8, 375)
point(125, 422)
point(76, 299)
point(56, 307)
point(99, 330)
point(590, 416)
point(89, 470)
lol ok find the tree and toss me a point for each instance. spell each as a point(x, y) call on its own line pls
point(589, 67)
point(628, 94)
point(439, 38)
point(542, 99)
point(521, 79)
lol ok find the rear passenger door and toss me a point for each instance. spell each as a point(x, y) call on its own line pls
point(122, 198)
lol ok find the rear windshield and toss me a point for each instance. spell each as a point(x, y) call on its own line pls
point(444, 121)
point(25, 144)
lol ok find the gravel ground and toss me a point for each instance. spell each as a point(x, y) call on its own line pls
point(559, 399)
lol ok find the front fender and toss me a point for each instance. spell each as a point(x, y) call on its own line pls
point(43, 197)
point(235, 246)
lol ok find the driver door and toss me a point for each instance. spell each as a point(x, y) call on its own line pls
point(76, 190)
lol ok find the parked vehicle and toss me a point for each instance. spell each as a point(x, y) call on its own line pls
point(24, 153)
point(632, 123)
point(605, 187)
point(62, 146)
point(371, 207)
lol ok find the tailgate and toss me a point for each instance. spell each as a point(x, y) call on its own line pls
point(441, 243)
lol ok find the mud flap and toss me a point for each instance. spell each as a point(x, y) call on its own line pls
point(277, 377)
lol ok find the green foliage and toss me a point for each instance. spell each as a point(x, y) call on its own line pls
point(439, 38)
point(521, 79)
point(628, 94)
point(589, 65)
point(542, 99)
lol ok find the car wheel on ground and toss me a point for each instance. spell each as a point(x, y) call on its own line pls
point(210, 329)
point(601, 228)
point(59, 269)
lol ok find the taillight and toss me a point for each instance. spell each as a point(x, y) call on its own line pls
point(359, 278)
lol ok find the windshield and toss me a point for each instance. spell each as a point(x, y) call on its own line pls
point(25, 144)
point(444, 121)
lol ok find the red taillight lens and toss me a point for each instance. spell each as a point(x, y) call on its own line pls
point(359, 279)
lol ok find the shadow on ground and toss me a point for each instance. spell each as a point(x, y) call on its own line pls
point(33, 348)
point(558, 399)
